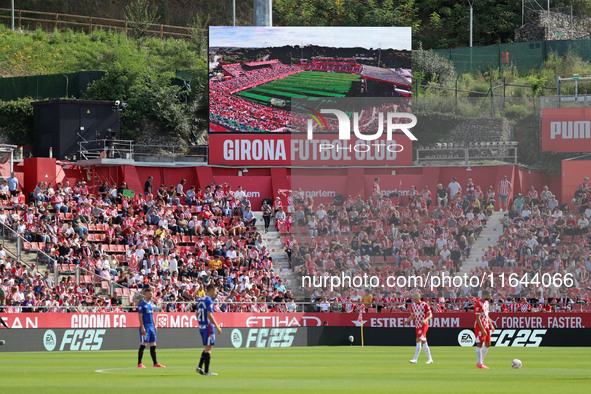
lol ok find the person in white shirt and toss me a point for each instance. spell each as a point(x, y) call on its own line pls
point(417, 263)
point(180, 188)
point(324, 305)
point(441, 242)
point(444, 253)
point(172, 264)
point(453, 187)
point(483, 263)
point(231, 253)
point(4, 190)
point(583, 223)
point(240, 194)
point(163, 222)
point(321, 213)
point(526, 212)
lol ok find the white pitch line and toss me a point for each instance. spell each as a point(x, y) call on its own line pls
point(106, 370)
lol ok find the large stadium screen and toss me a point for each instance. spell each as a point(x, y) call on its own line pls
point(259, 75)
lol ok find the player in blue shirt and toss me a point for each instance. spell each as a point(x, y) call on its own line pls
point(207, 324)
point(147, 329)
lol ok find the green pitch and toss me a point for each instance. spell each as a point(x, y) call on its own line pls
point(309, 370)
point(304, 84)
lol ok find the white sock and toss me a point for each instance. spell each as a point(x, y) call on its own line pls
point(417, 351)
point(484, 351)
point(478, 356)
point(427, 351)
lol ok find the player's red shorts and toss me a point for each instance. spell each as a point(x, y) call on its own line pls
point(422, 332)
point(482, 336)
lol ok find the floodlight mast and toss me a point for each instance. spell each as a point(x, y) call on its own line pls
point(263, 13)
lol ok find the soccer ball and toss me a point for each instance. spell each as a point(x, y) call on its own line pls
point(516, 363)
point(2, 342)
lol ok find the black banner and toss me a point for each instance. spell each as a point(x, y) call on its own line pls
point(339, 336)
point(59, 339)
point(84, 339)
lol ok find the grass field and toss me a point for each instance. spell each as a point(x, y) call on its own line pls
point(313, 369)
point(304, 84)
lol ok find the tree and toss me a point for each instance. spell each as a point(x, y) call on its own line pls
point(140, 15)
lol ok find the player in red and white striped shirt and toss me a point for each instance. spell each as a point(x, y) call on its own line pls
point(482, 328)
point(421, 314)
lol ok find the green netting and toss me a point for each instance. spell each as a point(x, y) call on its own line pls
point(523, 55)
point(72, 85)
point(580, 47)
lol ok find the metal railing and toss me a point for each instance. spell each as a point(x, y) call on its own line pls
point(128, 150)
point(565, 101)
point(219, 307)
point(105, 148)
point(8, 235)
point(476, 152)
point(50, 21)
point(296, 307)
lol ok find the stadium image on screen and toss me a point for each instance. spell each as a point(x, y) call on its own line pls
point(295, 209)
point(254, 73)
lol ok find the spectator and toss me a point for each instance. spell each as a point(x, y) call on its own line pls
point(148, 186)
point(454, 188)
point(504, 190)
point(442, 196)
point(13, 184)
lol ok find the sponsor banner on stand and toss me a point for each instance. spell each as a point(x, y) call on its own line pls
point(326, 150)
point(279, 320)
point(566, 129)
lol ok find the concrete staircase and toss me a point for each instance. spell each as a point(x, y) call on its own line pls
point(489, 236)
point(280, 262)
point(27, 257)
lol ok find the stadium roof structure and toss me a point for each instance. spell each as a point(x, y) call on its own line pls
point(263, 63)
point(385, 75)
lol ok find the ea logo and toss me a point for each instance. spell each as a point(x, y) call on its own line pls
point(236, 338)
point(466, 338)
point(49, 340)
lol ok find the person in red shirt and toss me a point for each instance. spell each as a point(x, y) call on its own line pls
point(482, 328)
point(420, 314)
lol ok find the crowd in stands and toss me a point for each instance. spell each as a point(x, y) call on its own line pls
point(334, 67)
point(179, 238)
point(239, 114)
point(223, 103)
point(174, 238)
point(432, 234)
